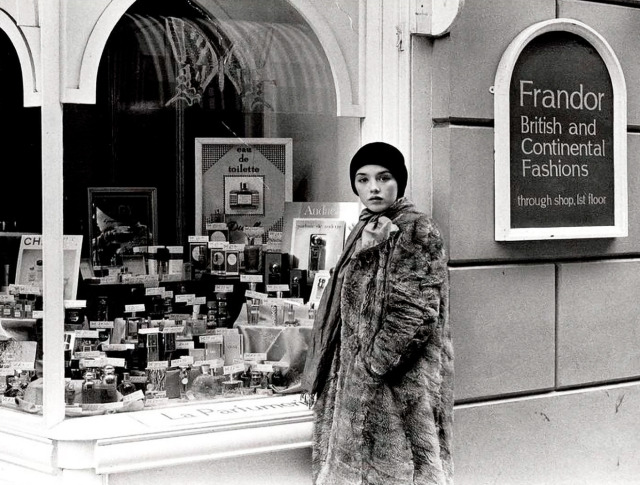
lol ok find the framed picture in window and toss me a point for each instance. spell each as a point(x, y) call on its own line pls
point(120, 218)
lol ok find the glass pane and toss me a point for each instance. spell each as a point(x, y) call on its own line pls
point(20, 228)
point(163, 304)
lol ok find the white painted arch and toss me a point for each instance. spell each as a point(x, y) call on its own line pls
point(86, 90)
point(503, 230)
point(29, 64)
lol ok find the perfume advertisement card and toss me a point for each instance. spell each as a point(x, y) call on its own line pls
point(248, 180)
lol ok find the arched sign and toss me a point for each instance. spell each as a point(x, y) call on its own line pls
point(560, 136)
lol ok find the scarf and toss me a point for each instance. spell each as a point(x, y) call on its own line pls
point(372, 228)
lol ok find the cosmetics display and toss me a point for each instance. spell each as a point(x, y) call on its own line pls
point(174, 324)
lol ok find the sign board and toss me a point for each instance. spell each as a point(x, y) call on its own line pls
point(560, 143)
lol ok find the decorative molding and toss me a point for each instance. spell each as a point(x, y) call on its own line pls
point(85, 92)
point(26, 41)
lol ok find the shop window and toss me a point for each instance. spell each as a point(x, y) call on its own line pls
point(172, 73)
point(20, 219)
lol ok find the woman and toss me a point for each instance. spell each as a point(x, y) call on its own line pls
point(380, 366)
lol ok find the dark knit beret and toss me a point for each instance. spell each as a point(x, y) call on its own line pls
point(380, 153)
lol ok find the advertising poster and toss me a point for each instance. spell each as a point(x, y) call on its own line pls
point(245, 181)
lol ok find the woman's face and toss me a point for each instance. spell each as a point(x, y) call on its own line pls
point(376, 187)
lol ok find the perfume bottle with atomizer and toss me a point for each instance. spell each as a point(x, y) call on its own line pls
point(317, 252)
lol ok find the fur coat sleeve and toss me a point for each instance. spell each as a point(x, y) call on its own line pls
point(415, 277)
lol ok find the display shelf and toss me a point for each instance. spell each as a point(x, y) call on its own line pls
point(16, 328)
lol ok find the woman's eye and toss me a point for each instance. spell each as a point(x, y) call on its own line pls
point(361, 180)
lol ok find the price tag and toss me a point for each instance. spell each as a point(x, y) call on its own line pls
point(200, 300)
point(139, 379)
point(101, 324)
point(277, 287)
point(235, 247)
point(255, 356)
point(156, 401)
point(211, 339)
point(185, 345)
point(139, 249)
point(115, 362)
point(168, 294)
point(87, 334)
point(38, 314)
point(251, 278)
point(7, 298)
point(94, 354)
point(217, 245)
point(134, 396)
point(75, 303)
point(147, 331)
point(263, 367)
point(171, 277)
point(223, 289)
point(134, 308)
point(175, 249)
point(184, 360)
point(156, 291)
point(188, 299)
point(23, 365)
point(198, 239)
point(8, 400)
point(216, 226)
point(232, 369)
point(101, 406)
point(117, 347)
point(91, 363)
point(255, 295)
point(157, 364)
point(213, 363)
point(176, 329)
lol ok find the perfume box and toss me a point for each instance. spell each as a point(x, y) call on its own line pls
point(276, 267)
point(232, 260)
point(172, 383)
point(232, 347)
point(198, 255)
point(217, 231)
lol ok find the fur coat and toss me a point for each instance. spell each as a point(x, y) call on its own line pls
point(384, 409)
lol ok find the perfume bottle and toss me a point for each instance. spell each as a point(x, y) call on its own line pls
point(317, 252)
point(126, 387)
point(184, 381)
point(256, 379)
point(212, 313)
point(107, 386)
point(290, 316)
point(245, 377)
point(90, 394)
point(296, 290)
point(277, 378)
point(69, 392)
point(15, 387)
point(312, 311)
point(206, 386)
point(244, 198)
point(223, 311)
point(253, 257)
